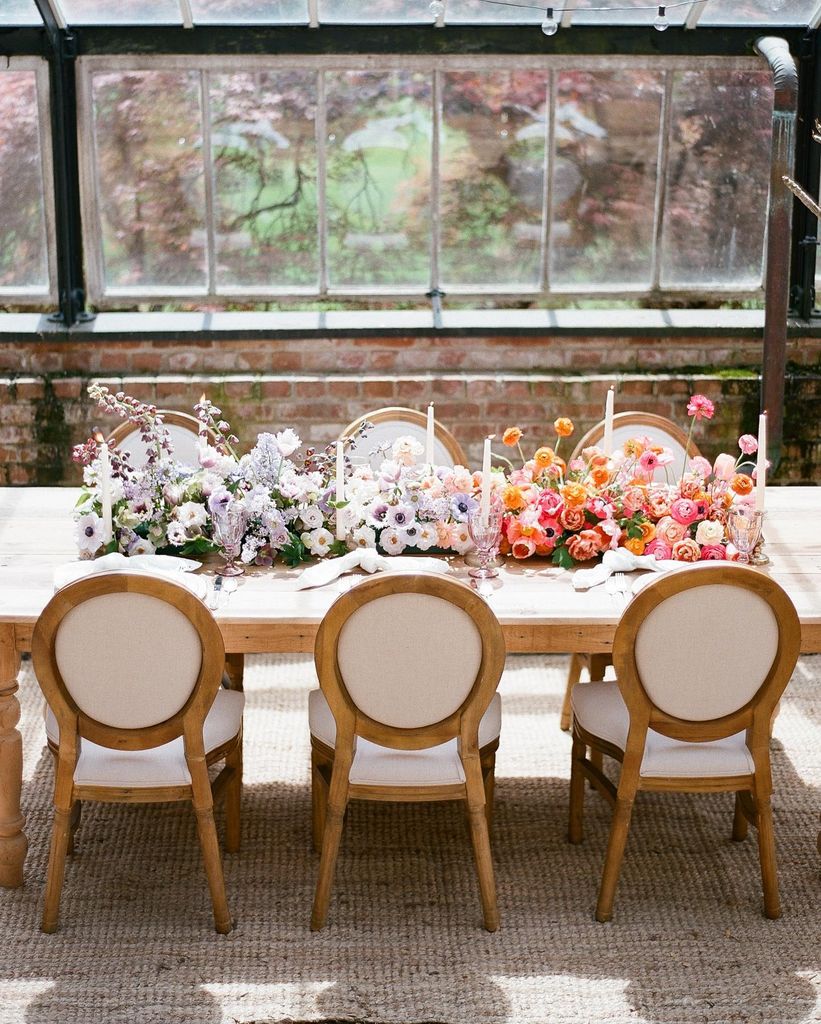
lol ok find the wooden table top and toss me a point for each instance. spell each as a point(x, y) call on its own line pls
point(536, 603)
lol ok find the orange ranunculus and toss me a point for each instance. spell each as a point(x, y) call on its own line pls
point(512, 498)
point(648, 531)
point(512, 436)
point(574, 495)
point(599, 476)
point(636, 545)
point(633, 447)
point(563, 426)
point(741, 483)
point(544, 457)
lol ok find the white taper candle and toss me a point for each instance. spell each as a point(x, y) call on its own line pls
point(340, 489)
point(105, 493)
point(484, 505)
point(761, 463)
point(607, 443)
point(429, 434)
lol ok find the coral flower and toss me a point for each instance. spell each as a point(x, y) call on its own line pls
point(563, 426)
point(513, 498)
point(572, 518)
point(636, 545)
point(713, 553)
point(523, 547)
point(512, 436)
point(741, 483)
point(701, 407)
point(686, 550)
point(544, 457)
point(575, 495)
point(599, 476)
point(633, 448)
point(583, 546)
point(659, 549)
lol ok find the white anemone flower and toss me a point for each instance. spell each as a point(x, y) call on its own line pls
point(176, 534)
point(192, 516)
point(426, 536)
point(141, 546)
point(391, 542)
point(364, 537)
point(318, 541)
point(89, 534)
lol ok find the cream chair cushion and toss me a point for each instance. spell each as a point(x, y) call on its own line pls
point(185, 443)
point(374, 765)
point(379, 440)
point(600, 710)
point(157, 766)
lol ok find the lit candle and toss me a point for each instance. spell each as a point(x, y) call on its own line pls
point(484, 505)
point(761, 463)
point(608, 423)
point(104, 479)
point(429, 437)
point(340, 489)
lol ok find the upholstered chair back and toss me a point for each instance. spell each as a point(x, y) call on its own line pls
point(405, 653)
point(182, 431)
point(702, 643)
point(627, 425)
point(386, 425)
point(122, 652)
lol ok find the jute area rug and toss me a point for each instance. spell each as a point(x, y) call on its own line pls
point(404, 943)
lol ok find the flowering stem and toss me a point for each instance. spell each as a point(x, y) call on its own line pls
point(687, 446)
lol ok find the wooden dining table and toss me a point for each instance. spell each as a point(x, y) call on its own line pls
point(536, 603)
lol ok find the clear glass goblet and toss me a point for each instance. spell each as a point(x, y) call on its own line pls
point(229, 529)
point(485, 534)
point(744, 529)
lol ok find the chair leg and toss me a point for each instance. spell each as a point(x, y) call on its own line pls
point(331, 837)
point(619, 828)
point(598, 668)
point(207, 830)
point(75, 822)
point(60, 834)
point(739, 821)
point(233, 800)
point(489, 779)
point(319, 800)
point(573, 676)
point(766, 853)
point(480, 840)
point(575, 826)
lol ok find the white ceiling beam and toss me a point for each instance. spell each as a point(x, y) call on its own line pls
point(567, 13)
point(695, 13)
point(313, 13)
point(186, 14)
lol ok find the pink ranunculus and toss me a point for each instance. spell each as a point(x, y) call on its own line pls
point(600, 508)
point(686, 550)
point(724, 467)
point(521, 477)
point(583, 546)
point(550, 503)
point(684, 511)
point(701, 407)
point(670, 531)
point(633, 499)
point(748, 444)
point(658, 504)
point(659, 549)
point(713, 552)
point(649, 461)
point(523, 547)
point(700, 466)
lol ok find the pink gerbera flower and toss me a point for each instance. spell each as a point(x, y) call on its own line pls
point(701, 407)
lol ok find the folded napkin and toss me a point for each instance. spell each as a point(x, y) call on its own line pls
point(167, 566)
point(369, 560)
point(620, 560)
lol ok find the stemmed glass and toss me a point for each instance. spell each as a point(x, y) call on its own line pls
point(485, 535)
point(744, 529)
point(229, 529)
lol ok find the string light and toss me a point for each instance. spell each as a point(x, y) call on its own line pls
point(661, 24)
point(437, 8)
point(550, 26)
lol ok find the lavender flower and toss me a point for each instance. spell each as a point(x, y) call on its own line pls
point(461, 505)
point(400, 516)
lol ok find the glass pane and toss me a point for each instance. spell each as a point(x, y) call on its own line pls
point(745, 12)
point(374, 11)
point(492, 175)
point(149, 162)
point(477, 12)
point(124, 12)
point(264, 152)
point(262, 12)
point(621, 14)
point(717, 179)
point(603, 179)
point(23, 245)
point(19, 12)
point(378, 180)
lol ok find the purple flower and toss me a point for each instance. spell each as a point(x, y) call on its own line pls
point(400, 516)
point(461, 505)
point(377, 514)
point(219, 501)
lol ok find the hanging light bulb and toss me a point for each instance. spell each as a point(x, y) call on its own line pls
point(437, 8)
point(661, 24)
point(550, 26)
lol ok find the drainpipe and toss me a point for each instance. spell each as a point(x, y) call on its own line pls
point(776, 52)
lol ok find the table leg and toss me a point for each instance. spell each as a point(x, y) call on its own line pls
point(13, 842)
point(235, 670)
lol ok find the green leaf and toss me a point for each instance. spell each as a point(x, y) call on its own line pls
point(294, 552)
point(561, 557)
point(339, 547)
point(85, 496)
point(339, 504)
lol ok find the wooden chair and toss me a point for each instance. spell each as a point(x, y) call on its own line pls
point(625, 426)
point(393, 422)
point(702, 657)
point(408, 667)
point(130, 666)
point(183, 429)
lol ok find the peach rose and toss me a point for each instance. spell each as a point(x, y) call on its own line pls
point(633, 499)
point(658, 504)
point(689, 486)
point(659, 549)
point(572, 518)
point(669, 531)
point(563, 426)
point(583, 546)
point(686, 550)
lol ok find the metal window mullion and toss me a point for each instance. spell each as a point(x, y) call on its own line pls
point(815, 17)
point(313, 13)
point(321, 182)
point(665, 126)
point(567, 13)
point(549, 164)
point(90, 185)
point(208, 177)
point(695, 13)
point(435, 182)
point(41, 81)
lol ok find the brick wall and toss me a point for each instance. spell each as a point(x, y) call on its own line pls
point(479, 385)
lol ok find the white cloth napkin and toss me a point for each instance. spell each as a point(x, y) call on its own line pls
point(167, 566)
point(620, 560)
point(371, 561)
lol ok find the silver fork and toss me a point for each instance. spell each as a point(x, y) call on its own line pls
point(617, 585)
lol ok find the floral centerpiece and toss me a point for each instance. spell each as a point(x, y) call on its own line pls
point(573, 512)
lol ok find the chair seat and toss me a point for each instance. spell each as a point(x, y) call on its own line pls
point(157, 766)
point(600, 710)
point(374, 765)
